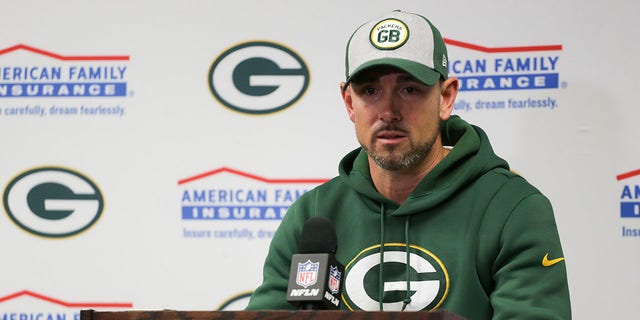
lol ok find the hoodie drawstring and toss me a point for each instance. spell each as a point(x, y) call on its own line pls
point(407, 298)
point(380, 271)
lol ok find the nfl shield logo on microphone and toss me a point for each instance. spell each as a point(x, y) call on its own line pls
point(334, 279)
point(307, 273)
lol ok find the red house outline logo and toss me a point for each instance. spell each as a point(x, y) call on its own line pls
point(67, 304)
point(247, 175)
point(475, 47)
point(627, 175)
point(56, 56)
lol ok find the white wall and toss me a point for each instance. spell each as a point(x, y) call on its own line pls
point(136, 255)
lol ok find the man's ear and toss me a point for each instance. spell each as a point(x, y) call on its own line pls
point(348, 100)
point(448, 94)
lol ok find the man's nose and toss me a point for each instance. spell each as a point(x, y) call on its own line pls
point(390, 111)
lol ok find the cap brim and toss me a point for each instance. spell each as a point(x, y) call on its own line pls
point(421, 72)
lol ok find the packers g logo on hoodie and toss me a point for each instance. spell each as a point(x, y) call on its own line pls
point(428, 279)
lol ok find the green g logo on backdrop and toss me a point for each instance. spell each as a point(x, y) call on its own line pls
point(258, 77)
point(53, 202)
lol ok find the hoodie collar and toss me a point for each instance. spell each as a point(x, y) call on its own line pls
point(471, 156)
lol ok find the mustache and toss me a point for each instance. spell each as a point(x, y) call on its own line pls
point(390, 127)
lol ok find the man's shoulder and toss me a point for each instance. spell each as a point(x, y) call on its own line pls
point(331, 188)
point(334, 185)
point(510, 181)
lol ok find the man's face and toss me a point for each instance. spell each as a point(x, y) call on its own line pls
point(396, 117)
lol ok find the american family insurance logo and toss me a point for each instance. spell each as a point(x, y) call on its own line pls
point(482, 68)
point(30, 305)
point(630, 203)
point(508, 78)
point(35, 76)
point(229, 194)
point(62, 76)
point(259, 77)
point(229, 198)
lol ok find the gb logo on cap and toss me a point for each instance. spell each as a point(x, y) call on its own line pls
point(389, 34)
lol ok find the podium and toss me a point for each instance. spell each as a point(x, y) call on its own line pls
point(266, 315)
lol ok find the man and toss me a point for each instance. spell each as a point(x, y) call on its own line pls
point(426, 215)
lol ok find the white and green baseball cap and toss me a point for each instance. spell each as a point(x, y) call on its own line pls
point(404, 40)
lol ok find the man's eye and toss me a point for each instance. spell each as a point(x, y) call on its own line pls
point(370, 91)
point(411, 90)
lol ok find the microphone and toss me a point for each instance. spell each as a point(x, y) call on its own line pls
point(315, 278)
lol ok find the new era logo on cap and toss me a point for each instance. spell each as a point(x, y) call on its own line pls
point(404, 40)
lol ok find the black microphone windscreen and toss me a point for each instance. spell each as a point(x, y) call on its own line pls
point(318, 236)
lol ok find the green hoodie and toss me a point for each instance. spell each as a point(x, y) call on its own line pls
point(480, 241)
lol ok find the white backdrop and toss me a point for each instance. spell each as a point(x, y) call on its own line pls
point(161, 142)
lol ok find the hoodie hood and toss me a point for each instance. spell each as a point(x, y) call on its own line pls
point(471, 156)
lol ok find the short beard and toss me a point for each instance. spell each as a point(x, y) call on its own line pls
point(395, 162)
